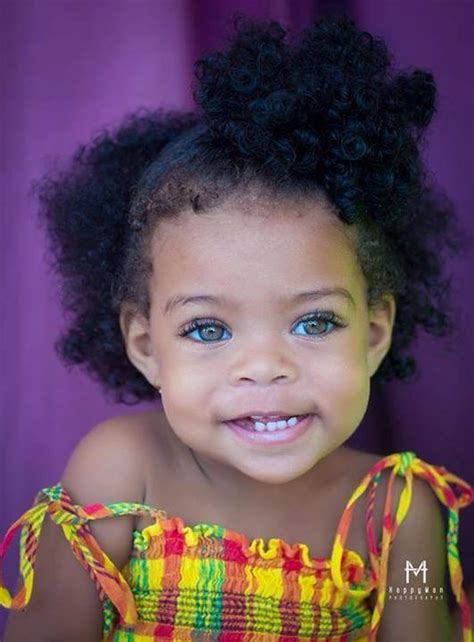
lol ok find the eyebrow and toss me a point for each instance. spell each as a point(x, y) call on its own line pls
point(181, 299)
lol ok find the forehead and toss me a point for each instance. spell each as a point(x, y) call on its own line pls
point(254, 244)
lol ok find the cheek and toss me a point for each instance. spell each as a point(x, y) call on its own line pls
point(189, 372)
point(187, 400)
point(344, 381)
point(183, 414)
point(344, 358)
point(343, 384)
point(189, 380)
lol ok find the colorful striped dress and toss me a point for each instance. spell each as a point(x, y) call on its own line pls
point(208, 583)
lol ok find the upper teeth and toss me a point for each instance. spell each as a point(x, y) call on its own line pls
point(274, 425)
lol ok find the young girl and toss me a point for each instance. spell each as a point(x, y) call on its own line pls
point(259, 264)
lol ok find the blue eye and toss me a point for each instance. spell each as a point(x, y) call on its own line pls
point(317, 319)
point(210, 330)
point(201, 326)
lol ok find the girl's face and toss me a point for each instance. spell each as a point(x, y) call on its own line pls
point(258, 346)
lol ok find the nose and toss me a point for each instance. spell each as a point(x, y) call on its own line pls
point(264, 364)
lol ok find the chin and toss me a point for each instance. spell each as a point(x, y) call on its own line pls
point(276, 474)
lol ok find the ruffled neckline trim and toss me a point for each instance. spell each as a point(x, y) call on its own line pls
point(258, 548)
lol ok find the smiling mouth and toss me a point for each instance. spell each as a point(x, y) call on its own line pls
point(270, 435)
point(278, 424)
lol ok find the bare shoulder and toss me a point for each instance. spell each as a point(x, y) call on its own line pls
point(111, 464)
point(357, 464)
point(107, 466)
point(110, 460)
point(420, 540)
point(424, 502)
point(419, 544)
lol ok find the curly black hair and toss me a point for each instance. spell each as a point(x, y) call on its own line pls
point(322, 114)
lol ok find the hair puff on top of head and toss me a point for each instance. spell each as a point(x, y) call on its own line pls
point(326, 107)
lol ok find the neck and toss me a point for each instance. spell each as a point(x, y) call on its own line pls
point(234, 484)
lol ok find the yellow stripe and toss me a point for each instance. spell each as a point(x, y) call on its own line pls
point(155, 573)
point(269, 584)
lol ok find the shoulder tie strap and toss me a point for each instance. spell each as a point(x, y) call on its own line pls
point(73, 520)
point(455, 496)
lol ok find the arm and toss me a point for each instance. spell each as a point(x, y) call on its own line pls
point(421, 536)
point(64, 603)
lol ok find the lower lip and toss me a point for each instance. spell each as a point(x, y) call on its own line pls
point(285, 436)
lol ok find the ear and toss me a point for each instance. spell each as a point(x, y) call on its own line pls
point(138, 345)
point(381, 320)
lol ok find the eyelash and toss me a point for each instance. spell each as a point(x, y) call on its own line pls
point(323, 315)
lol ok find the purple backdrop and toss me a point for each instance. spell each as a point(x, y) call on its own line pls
point(68, 69)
